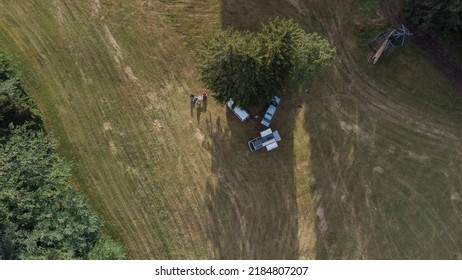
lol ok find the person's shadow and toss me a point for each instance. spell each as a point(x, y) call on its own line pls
point(204, 104)
point(199, 111)
point(193, 104)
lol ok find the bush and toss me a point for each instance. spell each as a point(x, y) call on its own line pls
point(107, 249)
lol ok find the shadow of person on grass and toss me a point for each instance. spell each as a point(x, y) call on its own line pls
point(192, 106)
point(199, 112)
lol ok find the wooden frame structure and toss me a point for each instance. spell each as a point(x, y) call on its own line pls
point(385, 42)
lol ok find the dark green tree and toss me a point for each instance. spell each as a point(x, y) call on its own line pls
point(7, 70)
point(15, 105)
point(231, 67)
point(435, 15)
point(43, 216)
point(312, 53)
point(7, 233)
point(280, 40)
point(107, 249)
point(252, 67)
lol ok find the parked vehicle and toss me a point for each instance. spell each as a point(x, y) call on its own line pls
point(269, 114)
point(267, 139)
point(242, 114)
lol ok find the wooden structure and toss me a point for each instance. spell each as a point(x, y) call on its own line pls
point(385, 42)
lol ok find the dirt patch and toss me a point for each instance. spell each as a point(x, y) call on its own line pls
point(322, 223)
point(115, 46)
point(456, 197)
point(378, 170)
point(107, 126)
point(112, 147)
point(356, 130)
point(199, 136)
point(419, 158)
point(96, 5)
point(129, 71)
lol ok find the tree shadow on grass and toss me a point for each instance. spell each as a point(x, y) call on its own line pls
point(251, 196)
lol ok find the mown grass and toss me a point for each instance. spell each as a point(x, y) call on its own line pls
point(103, 80)
point(385, 151)
point(368, 166)
point(171, 182)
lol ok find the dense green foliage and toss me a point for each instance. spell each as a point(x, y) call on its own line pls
point(232, 67)
point(251, 67)
point(49, 219)
point(106, 249)
point(436, 15)
point(312, 53)
point(15, 105)
point(41, 216)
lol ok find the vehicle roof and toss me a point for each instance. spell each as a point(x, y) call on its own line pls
point(267, 139)
point(271, 109)
point(269, 113)
point(271, 146)
point(241, 113)
point(277, 137)
point(276, 99)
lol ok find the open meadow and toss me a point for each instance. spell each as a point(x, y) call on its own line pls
point(369, 166)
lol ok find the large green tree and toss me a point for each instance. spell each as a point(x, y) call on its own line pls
point(435, 15)
point(41, 216)
point(15, 105)
point(252, 67)
point(44, 218)
point(231, 66)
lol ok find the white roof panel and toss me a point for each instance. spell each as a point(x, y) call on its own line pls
point(272, 146)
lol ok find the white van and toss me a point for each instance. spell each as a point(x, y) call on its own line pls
point(238, 111)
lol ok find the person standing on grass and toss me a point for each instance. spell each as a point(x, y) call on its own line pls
point(192, 97)
point(204, 96)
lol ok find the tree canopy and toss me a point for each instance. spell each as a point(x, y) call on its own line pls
point(251, 67)
point(435, 15)
point(15, 105)
point(43, 217)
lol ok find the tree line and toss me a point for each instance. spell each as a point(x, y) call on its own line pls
point(435, 15)
point(41, 216)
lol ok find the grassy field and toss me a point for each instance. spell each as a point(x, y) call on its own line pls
point(369, 165)
point(385, 149)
